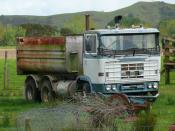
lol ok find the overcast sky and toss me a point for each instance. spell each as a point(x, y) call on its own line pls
point(50, 7)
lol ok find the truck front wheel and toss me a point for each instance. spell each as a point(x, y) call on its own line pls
point(47, 94)
point(31, 92)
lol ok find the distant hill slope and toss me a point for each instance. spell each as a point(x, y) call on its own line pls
point(152, 12)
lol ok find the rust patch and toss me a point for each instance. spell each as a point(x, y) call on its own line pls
point(21, 63)
point(43, 55)
point(42, 40)
point(123, 99)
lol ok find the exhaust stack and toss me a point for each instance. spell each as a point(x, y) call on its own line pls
point(87, 21)
point(117, 20)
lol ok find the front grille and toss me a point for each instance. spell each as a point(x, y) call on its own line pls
point(116, 72)
point(132, 70)
point(132, 86)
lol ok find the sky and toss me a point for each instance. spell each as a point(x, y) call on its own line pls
point(51, 7)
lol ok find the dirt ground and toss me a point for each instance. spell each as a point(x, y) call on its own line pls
point(11, 53)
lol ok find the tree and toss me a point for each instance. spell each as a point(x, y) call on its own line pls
point(20, 32)
point(37, 30)
point(2, 29)
point(65, 31)
point(77, 24)
point(167, 27)
point(11, 33)
point(128, 21)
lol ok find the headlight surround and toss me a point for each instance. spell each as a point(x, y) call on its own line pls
point(155, 85)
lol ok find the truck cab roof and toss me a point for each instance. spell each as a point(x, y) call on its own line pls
point(123, 31)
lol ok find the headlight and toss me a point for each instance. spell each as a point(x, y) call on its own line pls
point(114, 87)
point(155, 85)
point(108, 87)
point(149, 85)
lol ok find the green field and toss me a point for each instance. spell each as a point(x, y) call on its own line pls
point(11, 106)
point(15, 81)
point(8, 47)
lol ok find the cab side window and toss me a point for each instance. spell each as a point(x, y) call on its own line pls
point(90, 43)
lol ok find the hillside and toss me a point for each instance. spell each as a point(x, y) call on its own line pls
point(151, 12)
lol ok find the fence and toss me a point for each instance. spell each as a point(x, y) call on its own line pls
point(168, 45)
point(70, 118)
point(31, 124)
point(10, 83)
point(91, 113)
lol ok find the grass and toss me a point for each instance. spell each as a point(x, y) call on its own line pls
point(8, 47)
point(15, 81)
point(163, 108)
point(10, 108)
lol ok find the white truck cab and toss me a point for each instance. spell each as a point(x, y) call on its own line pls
point(123, 61)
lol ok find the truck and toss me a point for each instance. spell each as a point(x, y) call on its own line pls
point(107, 61)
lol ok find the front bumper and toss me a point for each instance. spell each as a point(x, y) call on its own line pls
point(137, 91)
point(144, 97)
point(141, 99)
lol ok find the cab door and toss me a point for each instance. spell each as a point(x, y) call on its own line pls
point(90, 59)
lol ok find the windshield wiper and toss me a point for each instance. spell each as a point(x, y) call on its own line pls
point(104, 51)
point(133, 49)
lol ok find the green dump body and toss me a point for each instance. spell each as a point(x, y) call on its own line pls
point(46, 55)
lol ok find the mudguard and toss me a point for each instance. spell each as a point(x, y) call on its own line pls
point(86, 79)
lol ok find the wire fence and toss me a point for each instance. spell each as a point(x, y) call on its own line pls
point(90, 113)
point(64, 119)
point(10, 83)
point(72, 118)
point(76, 116)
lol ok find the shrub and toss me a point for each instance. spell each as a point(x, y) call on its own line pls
point(5, 121)
point(170, 100)
point(145, 122)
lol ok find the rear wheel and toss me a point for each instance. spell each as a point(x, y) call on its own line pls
point(31, 92)
point(47, 94)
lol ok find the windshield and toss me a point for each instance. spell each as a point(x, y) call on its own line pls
point(134, 42)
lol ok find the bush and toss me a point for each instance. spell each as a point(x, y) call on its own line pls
point(170, 100)
point(145, 122)
point(5, 121)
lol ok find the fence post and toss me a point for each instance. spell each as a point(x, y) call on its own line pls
point(5, 70)
point(27, 124)
point(8, 77)
point(167, 75)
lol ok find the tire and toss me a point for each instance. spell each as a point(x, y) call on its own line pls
point(86, 88)
point(31, 92)
point(47, 94)
point(72, 89)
